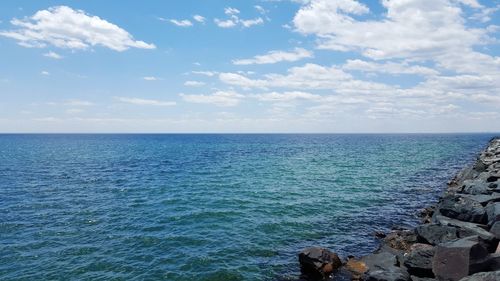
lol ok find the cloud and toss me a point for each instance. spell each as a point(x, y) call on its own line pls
point(74, 111)
point(151, 78)
point(150, 102)
point(276, 56)
point(205, 73)
point(388, 67)
point(308, 76)
point(199, 18)
point(234, 19)
point(251, 22)
point(286, 96)
point(64, 27)
point(194, 83)
point(181, 23)
point(44, 72)
point(53, 55)
point(219, 98)
point(437, 30)
point(78, 103)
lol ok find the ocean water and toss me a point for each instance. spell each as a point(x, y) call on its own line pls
point(208, 207)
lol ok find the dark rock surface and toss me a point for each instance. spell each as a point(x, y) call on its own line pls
point(457, 259)
point(483, 276)
point(419, 260)
point(435, 233)
point(318, 263)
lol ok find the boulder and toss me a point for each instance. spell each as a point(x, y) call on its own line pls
point(475, 187)
point(400, 239)
point(493, 212)
point(467, 228)
point(416, 278)
point(462, 208)
point(434, 233)
point(495, 229)
point(419, 260)
point(383, 267)
point(483, 276)
point(484, 199)
point(357, 268)
point(457, 259)
point(318, 263)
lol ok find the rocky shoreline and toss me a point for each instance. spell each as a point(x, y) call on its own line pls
point(457, 240)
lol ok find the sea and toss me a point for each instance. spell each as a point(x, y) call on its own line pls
point(209, 206)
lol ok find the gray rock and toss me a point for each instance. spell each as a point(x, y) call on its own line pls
point(495, 229)
point(462, 208)
point(475, 187)
point(455, 260)
point(419, 260)
point(466, 228)
point(318, 263)
point(494, 262)
point(434, 233)
point(493, 212)
point(416, 278)
point(483, 276)
point(483, 199)
point(383, 266)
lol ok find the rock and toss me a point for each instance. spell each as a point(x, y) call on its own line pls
point(400, 239)
point(383, 266)
point(483, 276)
point(493, 212)
point(356, 267)
point(466, 228)
point(462, 208)
point(495, 229)
point(465, 174)
point(475, 187)
point(484, 199)
point(416, 278)
point(457, 259)
point(493, 177)
point(434, 233)
point(318, 263)
point(494, 262)
point(419, 260)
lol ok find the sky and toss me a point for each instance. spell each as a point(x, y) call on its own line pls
point(270, 66)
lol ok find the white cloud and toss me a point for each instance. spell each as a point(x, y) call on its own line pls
point(205, 73)
point(231, 11)
point(260, 9)
point(75, 102)
point(286, 96)
point(151, 78)
point(388, 67)
point(276, 56)
point(219, 98)
point(53, 55)
point(181, 23)
point(64, 27)
point(44, 72)
point(198, 18)
point(235, 20)
point(437, 30)
point(251, 22)
point(194, 83)
point(139, 101)
point(308, 76)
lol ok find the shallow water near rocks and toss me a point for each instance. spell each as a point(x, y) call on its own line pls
point(209, 207)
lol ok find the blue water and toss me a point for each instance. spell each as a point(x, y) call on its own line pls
point(208, 207)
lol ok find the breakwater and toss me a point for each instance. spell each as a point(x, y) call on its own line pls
point(457, 240)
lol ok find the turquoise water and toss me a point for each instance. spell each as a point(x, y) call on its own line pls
point(208, 207)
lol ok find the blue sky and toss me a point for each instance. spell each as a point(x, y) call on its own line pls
point(250, 66)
